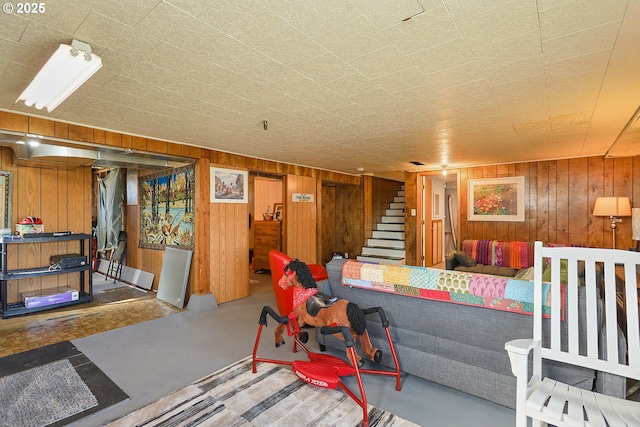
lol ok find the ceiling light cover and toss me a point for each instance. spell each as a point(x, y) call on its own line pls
point(67, 69)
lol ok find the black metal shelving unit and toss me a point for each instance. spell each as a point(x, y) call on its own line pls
point(85, 293)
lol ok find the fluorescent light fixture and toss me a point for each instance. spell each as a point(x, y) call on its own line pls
point(67, 69)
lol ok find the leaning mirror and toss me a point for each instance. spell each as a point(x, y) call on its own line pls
point(5, 204)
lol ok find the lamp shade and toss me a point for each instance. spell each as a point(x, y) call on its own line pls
point(612, 206)
point(67, 69)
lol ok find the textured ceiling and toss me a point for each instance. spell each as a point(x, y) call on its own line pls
point(348, 84)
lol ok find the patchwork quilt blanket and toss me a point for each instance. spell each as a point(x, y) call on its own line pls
point(481, 290)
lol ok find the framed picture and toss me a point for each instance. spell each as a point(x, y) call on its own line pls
point(277, 211)
point(229, 186)
point(167, 209)
point(436, 205)
point(496, 199)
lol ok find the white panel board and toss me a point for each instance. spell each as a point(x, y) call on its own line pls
point(130, 275)
point(174, 275)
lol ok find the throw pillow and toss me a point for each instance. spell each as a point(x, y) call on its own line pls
point(465, 259)
point(525, 274)
point(564, 274)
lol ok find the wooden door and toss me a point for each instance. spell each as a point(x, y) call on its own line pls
point(425, 221)
point(436, 241)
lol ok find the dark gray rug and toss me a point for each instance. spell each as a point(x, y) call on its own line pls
point(43, 395)
point(274, 396)
point(52, 386)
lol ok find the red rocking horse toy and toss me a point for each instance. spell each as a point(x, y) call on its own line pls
point(335, 316)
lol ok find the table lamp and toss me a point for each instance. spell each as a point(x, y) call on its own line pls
point(613, 208)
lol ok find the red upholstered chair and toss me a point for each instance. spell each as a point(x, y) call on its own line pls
point(284, 298)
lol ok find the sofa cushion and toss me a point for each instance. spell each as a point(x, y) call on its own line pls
point(506, 271)
point(488, 269)
point(465, 259)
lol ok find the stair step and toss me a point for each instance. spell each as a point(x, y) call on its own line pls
point(385, 243)
point(396, 235)
point(381, 260)
point(393, 219)
point(389, 227)
point(395, 253)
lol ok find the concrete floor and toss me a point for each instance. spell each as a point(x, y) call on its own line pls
point(152, 359)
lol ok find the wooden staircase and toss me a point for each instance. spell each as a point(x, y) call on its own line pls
point(387, 242)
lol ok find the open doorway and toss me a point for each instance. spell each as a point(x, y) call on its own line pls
point(108, 216)
point(266, 218)
point(451, 214)
point(113, 249)
point(439, 216)
point(109, 246)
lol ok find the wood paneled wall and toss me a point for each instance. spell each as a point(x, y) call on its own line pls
point(62, 199)
point(220, 262)
point(300, 219)
point(200, 273)
point(229, 242)
point(411, 200)
point(559, 200)
point(348, 227)
point(328, 222)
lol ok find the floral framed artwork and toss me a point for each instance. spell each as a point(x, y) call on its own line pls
point(167, 209)
point(496, 199)
point(229, 186)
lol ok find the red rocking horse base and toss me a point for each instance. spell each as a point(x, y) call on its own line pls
point(323, 370)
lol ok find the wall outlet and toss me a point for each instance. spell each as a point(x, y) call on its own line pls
point(413, 212)
point(346, 255)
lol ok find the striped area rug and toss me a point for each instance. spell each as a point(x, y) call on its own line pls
point(274, 396)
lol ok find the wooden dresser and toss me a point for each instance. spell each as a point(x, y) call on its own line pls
point(266, 237)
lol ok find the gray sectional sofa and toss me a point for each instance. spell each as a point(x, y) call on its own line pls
point(459, 346)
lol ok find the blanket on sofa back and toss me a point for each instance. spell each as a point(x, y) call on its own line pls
point(514, 254)
point(493, 292)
